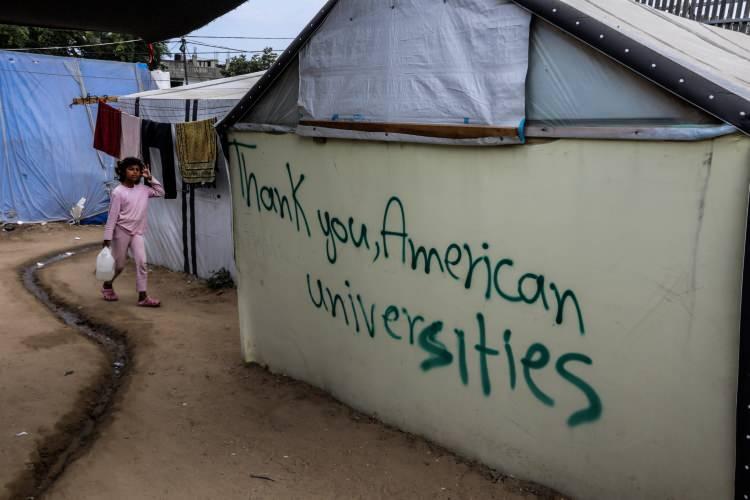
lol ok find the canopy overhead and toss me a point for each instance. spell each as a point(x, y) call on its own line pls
point(153, 21)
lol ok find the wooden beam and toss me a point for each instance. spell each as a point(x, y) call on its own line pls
point(424, 130)
point(93, 99)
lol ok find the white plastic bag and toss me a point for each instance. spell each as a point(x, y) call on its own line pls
point(105, 265)
point(77, 210)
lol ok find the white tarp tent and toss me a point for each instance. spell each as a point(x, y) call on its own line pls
point(409, 279)
point(191, 233)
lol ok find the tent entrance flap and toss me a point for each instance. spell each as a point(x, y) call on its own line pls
point(419, 65)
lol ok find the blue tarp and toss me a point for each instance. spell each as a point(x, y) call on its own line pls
point(47, 161)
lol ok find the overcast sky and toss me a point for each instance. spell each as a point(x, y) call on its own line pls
point(255, 18)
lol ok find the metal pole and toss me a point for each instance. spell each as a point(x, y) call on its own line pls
point(183, 47)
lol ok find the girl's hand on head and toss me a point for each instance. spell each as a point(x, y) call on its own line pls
point(147, 172)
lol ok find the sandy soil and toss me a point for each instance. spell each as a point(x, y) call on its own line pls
point(193, 422)
point(45, 367)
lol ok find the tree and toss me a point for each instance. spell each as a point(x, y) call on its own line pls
point(22, 37)
point(240, 65)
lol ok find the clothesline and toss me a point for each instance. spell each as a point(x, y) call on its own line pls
point(122, 135)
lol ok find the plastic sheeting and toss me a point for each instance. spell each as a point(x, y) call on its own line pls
point(462, 62)
point(213, 245)
point(570, 83)
point(719, 55)
point(279, 105)
point(572, 91)
point(232, 88)
point(161, 78)
point(47, 162)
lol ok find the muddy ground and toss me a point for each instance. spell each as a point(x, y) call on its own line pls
point(192, 421)
point(46, 368)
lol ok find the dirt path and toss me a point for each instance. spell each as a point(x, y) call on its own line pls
point(45, 367)
point(193, 422)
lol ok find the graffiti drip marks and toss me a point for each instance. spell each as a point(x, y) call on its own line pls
point(430, 337)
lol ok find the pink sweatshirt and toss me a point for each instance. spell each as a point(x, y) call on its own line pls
point(128, 208)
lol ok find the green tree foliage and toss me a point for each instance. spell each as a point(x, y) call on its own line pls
point(23, 37)
point(241, 65)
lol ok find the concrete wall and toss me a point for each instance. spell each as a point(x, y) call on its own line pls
point(578, 325)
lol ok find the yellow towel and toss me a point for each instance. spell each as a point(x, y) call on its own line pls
point(196, 150)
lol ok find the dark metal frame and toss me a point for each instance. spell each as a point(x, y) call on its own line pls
point(742, 437)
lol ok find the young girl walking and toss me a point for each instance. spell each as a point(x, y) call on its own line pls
point(127, 222)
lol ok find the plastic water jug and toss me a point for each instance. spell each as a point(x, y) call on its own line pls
point(105, 265)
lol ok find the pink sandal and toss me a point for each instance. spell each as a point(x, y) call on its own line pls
point(149, 302)
point(109, 294)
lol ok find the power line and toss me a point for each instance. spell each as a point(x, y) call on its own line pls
point(223, 49)
point(75, 46)
point(216, 46)
point(244, 37)
point(237, 51)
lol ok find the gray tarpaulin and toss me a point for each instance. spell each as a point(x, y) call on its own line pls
point(279, 104)
point(462, 62)
point(570, 83)
point(719, 55)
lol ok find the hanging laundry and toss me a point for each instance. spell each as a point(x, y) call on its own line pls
point(107, 134)
point(196, 151)
point(130, 142)
point(159, 136)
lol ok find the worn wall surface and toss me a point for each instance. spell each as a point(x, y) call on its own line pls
point(566, 312)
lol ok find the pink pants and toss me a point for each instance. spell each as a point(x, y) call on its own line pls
point(121, 241)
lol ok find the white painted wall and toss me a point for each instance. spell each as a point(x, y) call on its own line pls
point(648, 236)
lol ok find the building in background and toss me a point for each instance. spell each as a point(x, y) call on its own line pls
point(198, 70)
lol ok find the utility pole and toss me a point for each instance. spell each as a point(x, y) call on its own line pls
point(183, 49)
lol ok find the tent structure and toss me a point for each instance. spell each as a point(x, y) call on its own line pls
point(517, 228)
point(44, 168)
point(191, 233)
